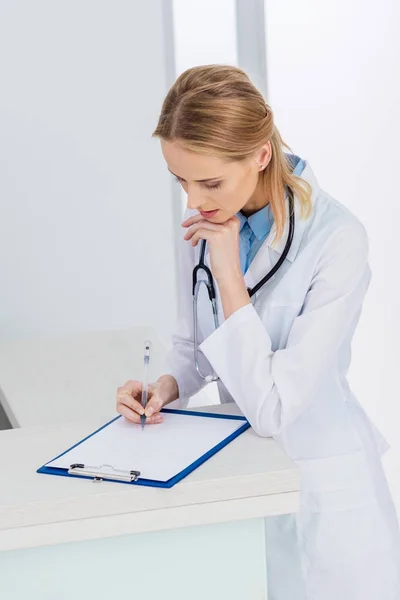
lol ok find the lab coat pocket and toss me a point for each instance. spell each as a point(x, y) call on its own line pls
point(336, 483)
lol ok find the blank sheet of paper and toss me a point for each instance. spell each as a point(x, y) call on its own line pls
point(159, 452)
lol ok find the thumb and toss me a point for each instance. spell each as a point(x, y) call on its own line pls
point(154, 405)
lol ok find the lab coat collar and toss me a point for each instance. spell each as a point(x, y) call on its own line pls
point(268, 254)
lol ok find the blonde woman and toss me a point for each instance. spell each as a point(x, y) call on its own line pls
point(281, 348)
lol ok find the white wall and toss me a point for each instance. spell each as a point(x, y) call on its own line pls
point(333, 74)
point(204, 33)
point(86, 238)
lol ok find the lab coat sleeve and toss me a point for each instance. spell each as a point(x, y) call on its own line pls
point(273, 389)
point(180, 360)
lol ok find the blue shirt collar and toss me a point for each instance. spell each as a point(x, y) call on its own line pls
point(297, 163)
point(260, 222)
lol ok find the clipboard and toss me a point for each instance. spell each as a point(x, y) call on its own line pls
point(120, 452)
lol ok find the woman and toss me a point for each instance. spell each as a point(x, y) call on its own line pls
point(282, 354)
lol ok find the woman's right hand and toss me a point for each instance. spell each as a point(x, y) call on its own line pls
point(129, 402)
point(159, 394)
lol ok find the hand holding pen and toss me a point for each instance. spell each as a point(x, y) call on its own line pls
point(136, 399)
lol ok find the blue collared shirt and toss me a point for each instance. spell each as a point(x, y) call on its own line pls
point(254, 229)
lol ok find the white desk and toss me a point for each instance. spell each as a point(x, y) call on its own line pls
point(64, 538)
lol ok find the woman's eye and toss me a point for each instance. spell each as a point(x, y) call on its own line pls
point(208, 187)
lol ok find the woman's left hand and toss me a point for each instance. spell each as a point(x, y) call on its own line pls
point(223, 242)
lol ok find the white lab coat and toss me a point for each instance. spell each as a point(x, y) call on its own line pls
point(283, 360)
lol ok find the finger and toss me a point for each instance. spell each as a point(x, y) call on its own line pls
point(154, 420)
point(133, 417)
point(127, 400)
point(132, 387)
point(235, 221)
point(202, 234)
point(153, 406)
point(202, 225)
point(192, 220)
point(130, 415)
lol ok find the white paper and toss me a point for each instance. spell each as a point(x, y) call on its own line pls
point(159, 452)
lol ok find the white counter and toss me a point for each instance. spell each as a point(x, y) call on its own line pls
point(63, 538)
point(249, 478)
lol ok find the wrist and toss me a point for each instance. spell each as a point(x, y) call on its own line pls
point(233, 285)
point(167, 388)
point(234, 295)
point(231, 280)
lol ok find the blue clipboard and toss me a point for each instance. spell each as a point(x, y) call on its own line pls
point(79, 471)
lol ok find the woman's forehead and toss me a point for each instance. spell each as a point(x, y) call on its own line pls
point(193, 165)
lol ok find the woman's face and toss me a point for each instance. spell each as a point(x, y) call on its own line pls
point(218, 189)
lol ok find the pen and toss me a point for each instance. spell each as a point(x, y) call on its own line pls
point(145, 383)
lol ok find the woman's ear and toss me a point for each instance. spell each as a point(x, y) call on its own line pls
point(263, 156)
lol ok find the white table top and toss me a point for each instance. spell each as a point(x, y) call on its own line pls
point(71, 378)
point(251, 477)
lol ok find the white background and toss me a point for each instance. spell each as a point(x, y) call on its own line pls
point(86, 238)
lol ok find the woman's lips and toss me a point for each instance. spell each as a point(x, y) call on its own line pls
point(206, 214)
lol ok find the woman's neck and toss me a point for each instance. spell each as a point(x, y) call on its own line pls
point(257, 201)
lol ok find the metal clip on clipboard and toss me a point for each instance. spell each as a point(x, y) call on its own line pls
point(103, 472)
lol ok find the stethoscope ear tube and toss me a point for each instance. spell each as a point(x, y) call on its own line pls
point(285, 252)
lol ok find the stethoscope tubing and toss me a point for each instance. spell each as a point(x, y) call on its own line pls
point(209, 283)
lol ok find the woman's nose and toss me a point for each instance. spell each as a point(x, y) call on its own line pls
point(194, 201)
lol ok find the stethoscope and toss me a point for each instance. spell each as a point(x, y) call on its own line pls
point(209, 283)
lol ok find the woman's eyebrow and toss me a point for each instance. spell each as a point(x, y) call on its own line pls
point(198, 180)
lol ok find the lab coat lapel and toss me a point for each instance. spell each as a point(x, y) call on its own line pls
point(269, 253)
point(259, 266)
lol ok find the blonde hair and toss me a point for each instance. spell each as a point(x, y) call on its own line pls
point(216, 110)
